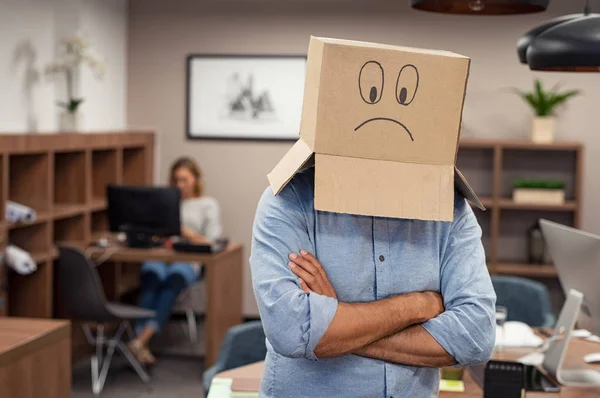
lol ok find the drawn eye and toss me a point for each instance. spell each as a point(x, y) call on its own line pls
point(370, 82)
point(407, 84)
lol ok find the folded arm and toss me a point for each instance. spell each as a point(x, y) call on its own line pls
point(303, 324)
point(412, 346)
point(464, 332)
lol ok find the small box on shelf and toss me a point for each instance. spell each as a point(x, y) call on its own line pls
point(539, 191)
point(539, 196)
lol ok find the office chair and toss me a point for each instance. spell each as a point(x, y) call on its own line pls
point(527, 301)
point(184, 301)
point(243, 344)
point(81, 291)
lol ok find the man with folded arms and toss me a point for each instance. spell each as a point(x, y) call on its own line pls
point(355, 302)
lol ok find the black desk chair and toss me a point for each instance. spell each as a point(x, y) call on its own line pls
point(81, 291)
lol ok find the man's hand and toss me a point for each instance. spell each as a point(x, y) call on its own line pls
point(311, 274)
point(313, 278)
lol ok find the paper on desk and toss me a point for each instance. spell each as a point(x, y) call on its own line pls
point(533, 359)
point(517, 334)
point(452, 385)
point(581, 333)
point(593, 339)
point(220, 388)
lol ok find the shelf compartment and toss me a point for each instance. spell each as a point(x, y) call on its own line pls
point(70, 229)
point(134, 166)
point(512, 237)
point(69, 178)
point(104, 172)
point(547, 165)
point(525, 270)
point(31, 238)
point(29, 180)
point(32, 298)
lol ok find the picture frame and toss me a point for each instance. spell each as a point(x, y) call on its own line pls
point(244, 97)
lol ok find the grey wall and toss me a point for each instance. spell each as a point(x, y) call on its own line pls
point(162, 33)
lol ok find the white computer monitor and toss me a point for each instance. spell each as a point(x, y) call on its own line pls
point(576, 257)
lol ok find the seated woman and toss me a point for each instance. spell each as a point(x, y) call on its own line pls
point(161, 283)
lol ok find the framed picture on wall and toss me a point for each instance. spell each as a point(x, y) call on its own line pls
point(247, 97)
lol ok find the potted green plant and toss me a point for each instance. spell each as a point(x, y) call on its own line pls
point(73, 53)
point(544, 104)
point(539, 191)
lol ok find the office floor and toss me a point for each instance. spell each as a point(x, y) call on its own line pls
point(178, 373)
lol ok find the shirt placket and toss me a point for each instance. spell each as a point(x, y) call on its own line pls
point(381, 257)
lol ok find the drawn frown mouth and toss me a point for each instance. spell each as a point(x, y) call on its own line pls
point(386, 119)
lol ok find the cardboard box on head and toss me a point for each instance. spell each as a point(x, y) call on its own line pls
point(381, 124)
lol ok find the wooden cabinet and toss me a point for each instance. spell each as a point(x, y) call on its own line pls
point(63, 177)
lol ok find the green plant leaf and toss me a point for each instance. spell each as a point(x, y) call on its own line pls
point(538, 184)
point(74, 104)
point(544, 102)
point(560, 99)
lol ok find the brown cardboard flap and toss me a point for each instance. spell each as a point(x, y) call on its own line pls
point(289, 165)
point(465, 189)
point(384, 188)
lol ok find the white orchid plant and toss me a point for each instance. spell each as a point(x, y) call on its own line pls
point(73, 53)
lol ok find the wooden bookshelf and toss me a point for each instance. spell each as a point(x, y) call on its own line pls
point(490, 166)
point(63, 177)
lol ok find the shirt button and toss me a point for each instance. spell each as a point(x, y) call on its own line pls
point(381, 258)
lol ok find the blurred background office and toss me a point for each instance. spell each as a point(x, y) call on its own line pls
point(205, 96)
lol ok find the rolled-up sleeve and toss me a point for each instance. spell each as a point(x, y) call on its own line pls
point(466, 330)
point(294, 321)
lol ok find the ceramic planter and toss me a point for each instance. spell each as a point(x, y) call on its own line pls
point(543, 128)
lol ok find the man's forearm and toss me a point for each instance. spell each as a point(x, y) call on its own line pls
point(359, 324)
point(412, 346)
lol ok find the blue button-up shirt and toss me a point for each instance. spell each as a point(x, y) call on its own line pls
point(366, 259)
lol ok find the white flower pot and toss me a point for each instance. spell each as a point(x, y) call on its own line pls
point(69, 122)
point(542, 131)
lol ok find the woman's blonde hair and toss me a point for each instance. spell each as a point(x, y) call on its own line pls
point(192, 167)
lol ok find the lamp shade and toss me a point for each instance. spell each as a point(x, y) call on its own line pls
point(481, 7)
point(572, 46)
point(525, 41)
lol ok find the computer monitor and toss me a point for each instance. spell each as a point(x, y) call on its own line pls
point(576, 256)
point(143, 212)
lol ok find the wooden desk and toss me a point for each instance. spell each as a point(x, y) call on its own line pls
point(223, 278)
point(35, 358)
point(248, 377)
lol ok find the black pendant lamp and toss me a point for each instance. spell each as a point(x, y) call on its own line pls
point(525, 41)
point(567, 44)
point(481, 7)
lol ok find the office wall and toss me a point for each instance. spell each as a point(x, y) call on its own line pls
point(29, 32)
point(162, 33)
